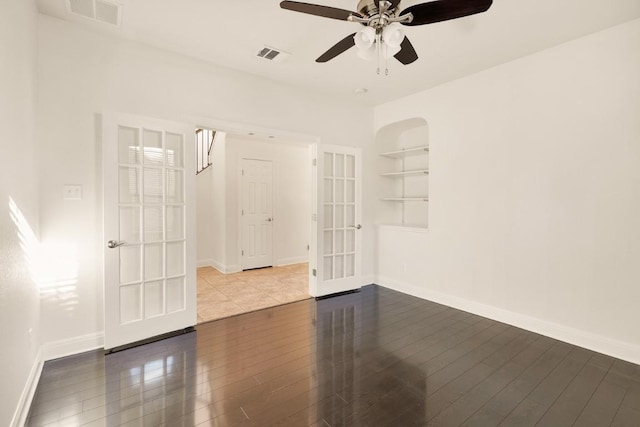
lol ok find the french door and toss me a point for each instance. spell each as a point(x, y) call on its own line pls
point(149, 220)
point(339, 212)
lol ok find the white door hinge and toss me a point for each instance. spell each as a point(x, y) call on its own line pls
point(314, 272)
point(314, 217)
point(314, 162)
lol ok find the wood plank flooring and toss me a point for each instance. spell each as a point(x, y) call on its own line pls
point(372, 358)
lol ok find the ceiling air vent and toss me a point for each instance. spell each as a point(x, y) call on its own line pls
point(273, 54)
point(97, 10)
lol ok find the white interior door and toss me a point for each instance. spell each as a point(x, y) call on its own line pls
point(339, 213)
point(257, 213)
point(149, 219)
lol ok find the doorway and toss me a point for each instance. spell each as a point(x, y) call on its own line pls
point(253, 225)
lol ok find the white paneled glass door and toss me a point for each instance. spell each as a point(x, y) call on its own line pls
point(339, 183)
point(149, 205)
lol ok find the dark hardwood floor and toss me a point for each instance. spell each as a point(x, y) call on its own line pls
point(372, 358)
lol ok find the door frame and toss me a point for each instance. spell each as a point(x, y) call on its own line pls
point(312, 141)
point(240, 201)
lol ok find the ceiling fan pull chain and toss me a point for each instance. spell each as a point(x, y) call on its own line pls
point(386, 60)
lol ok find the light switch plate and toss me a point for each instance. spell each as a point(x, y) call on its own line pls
point(72, 192)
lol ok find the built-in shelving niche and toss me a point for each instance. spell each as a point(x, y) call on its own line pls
point(403, 168)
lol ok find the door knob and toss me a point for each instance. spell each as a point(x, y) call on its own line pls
point(269, 219)
point(111, 244)
point(358, 227)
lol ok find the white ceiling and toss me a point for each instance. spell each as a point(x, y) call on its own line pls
point(231, 32)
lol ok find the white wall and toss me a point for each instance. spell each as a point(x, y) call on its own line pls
point(534, 193)
point(291, 197)
point(81, 74)
point(204, 215)
point(19, 299)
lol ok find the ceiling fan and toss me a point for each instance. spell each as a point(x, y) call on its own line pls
point(378, 16)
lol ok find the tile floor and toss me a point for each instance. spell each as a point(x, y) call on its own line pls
point(224, 295)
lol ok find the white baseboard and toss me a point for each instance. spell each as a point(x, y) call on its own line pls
point(292, 260)
point(368, 280)
point(225, 269)
point(234, 268)
point(70, 346)
point(599, 343)
point(204, 263)
point(26, 397)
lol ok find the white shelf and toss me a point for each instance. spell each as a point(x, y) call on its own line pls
point(405, 199)
point(405, 173)
point(408, 228)
point(406, 152)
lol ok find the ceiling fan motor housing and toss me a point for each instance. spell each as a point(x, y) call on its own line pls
point(367, 8)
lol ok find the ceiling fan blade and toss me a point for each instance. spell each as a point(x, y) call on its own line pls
point(444, 10)
point(407, 53)
point(318, 10)
point(343, 45)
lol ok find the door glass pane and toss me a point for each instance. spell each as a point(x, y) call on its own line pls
point(175, 258)
point(129, 263)
point(350, 241)
point(339, 244)
point(175, 294)
point(328, 164)
point(339, 270)
point(328, 268)
point(350, 218)
point(130, 224)
point(175, 186)
point(328, 216)
point(129, 185)
point(130, 303)
point(328, 242)
point(152, 185)
point(153, 226)
point(152, 141)
point(339, 190)
point(351, 191)
point(339, 216)
point(349, 265)
point(175, 222)
point(339, 165)
point(351, 166)
point(174, 150)
point(128, 145)
point(328, 190)
point(153, 299)
point(153, 265)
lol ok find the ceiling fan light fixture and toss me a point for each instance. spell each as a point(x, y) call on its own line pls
point(367, 54)
point(392, 36)
point(365, 38)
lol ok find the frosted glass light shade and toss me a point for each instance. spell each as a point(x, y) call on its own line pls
point(367, 54)
point(392, 36)
point(365, 38)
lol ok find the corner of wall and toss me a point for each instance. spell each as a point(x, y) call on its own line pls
point(29, 390)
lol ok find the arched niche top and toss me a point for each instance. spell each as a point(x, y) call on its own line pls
point(403, 134)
